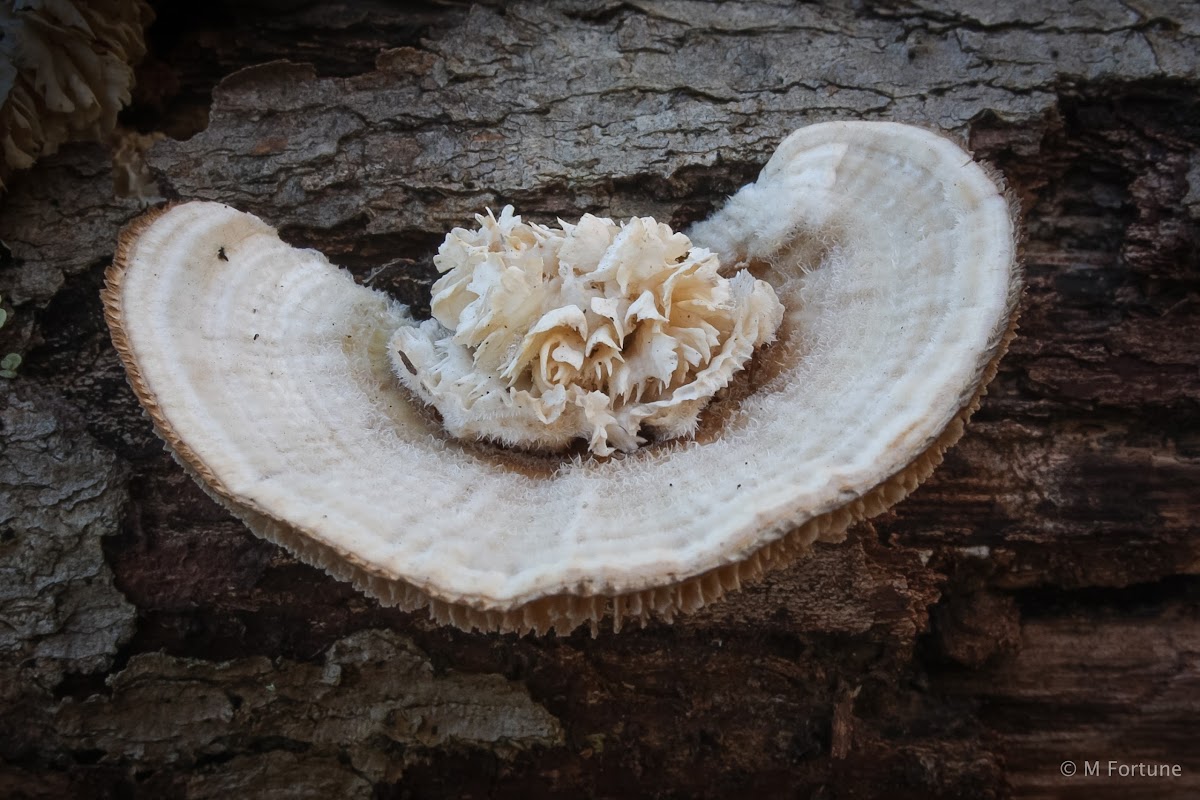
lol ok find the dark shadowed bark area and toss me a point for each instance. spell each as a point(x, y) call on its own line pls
point(1036, 601)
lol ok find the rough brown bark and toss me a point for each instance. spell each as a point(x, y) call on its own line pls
point(1035, 601)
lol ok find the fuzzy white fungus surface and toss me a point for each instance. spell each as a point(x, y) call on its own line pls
point(594, 330)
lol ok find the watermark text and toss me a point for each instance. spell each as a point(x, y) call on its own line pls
point(1120, 769)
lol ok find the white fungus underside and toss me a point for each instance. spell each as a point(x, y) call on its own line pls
point(306, 423)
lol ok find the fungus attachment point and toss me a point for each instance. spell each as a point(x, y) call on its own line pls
point(890, 259)
point(593, 330)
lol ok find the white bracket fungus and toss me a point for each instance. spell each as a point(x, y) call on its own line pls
point(880, 256)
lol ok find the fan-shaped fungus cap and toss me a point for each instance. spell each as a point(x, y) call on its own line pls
point(269, 374)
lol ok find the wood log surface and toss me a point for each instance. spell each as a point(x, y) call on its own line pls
point(1036, 601)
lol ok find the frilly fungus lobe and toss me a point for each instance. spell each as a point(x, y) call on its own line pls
point(592, 330)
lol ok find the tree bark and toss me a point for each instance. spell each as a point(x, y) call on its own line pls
point(1035, 602)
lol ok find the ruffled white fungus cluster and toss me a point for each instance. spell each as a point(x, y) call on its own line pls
point(65, 72)
point(596, 330)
